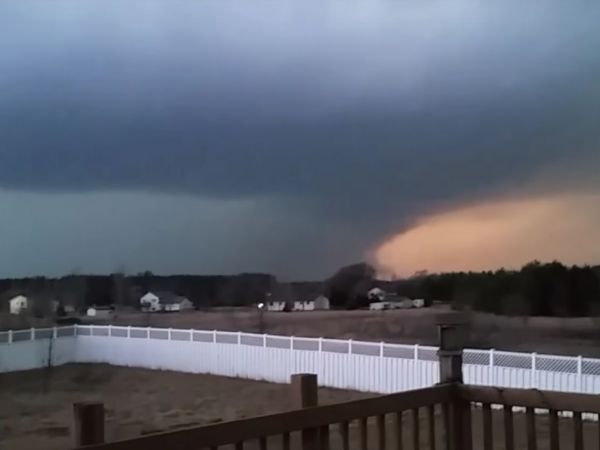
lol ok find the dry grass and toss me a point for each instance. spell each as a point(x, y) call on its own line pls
point(139, 402)
point(579, 336)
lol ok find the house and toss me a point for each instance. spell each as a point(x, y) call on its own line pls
point(379, 306)
point(392, 302)
point(164, 301)
point(321, 303)
point(176, 304)
point(100, 312)
point(150, 302)
point(276, 306)
point(37, 304)
point(399, 302)
point(376, 294)
point(418, 303)
point(303, 306)
point(18, 304)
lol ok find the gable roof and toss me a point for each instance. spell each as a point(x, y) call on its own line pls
point(169, 298)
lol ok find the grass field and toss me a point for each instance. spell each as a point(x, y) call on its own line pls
point(575, 336)
point(36, 407)
point(566, 336)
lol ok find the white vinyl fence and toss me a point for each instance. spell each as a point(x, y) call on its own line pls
point(364, 366)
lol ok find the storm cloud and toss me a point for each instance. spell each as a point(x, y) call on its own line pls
point(345, 122)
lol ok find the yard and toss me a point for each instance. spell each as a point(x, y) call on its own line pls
point(36, 407)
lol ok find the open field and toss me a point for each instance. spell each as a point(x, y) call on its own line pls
point(36, 407)
point(568, 336)
point(36, 410)
point(577, 336)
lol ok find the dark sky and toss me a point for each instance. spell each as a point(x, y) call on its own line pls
point(291, 137)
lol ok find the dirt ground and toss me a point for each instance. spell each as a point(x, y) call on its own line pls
point(576, 336)
point(36, 408)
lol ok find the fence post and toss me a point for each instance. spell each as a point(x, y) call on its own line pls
point(320, 345)
point(381, 344)
point(32, 336)
point(349, 346)
point(416, 375)
point(128, 331)
point(10, 336)
point(88, 423)
point(533, 382)
point(580, 374)
point(452, 337)
point(305, 394)
point(492, 371)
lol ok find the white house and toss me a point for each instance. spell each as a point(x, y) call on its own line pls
point(18, 304)
point(176, 304)
point(303, 306)
point(376, 294)
point(150, 302)
point(379, 306)
point(101, 312)
point(392, 302)
point(164, 301)
point(418, 303)
point(321, 303)
point(276, 306)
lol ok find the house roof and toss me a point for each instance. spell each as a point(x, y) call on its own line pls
point(169, 298)
point(6, 296)
point(33, 298)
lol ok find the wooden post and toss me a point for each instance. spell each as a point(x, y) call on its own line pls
point(305, 394)
point(88, 423)
point(450, 353)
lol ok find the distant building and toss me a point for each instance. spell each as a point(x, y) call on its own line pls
point(18, 304)
point(393, 302)
point(376, 294)
point(164, 301)
point(378, 306)
point(303, 306)
point(177, 304)
point(100, 312)
point(321, 303)
point(150, 302)
point(37, 304)
point(418, 303)
point(276, 306)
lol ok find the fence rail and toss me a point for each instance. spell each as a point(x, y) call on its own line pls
point(368, 366)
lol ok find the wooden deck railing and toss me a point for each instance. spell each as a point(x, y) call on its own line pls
point(540, 406)
point(320, 422)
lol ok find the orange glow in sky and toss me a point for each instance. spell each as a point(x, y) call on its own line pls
point(498, 234)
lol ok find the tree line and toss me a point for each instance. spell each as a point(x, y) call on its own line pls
point(537, 289)
point(81, 291)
